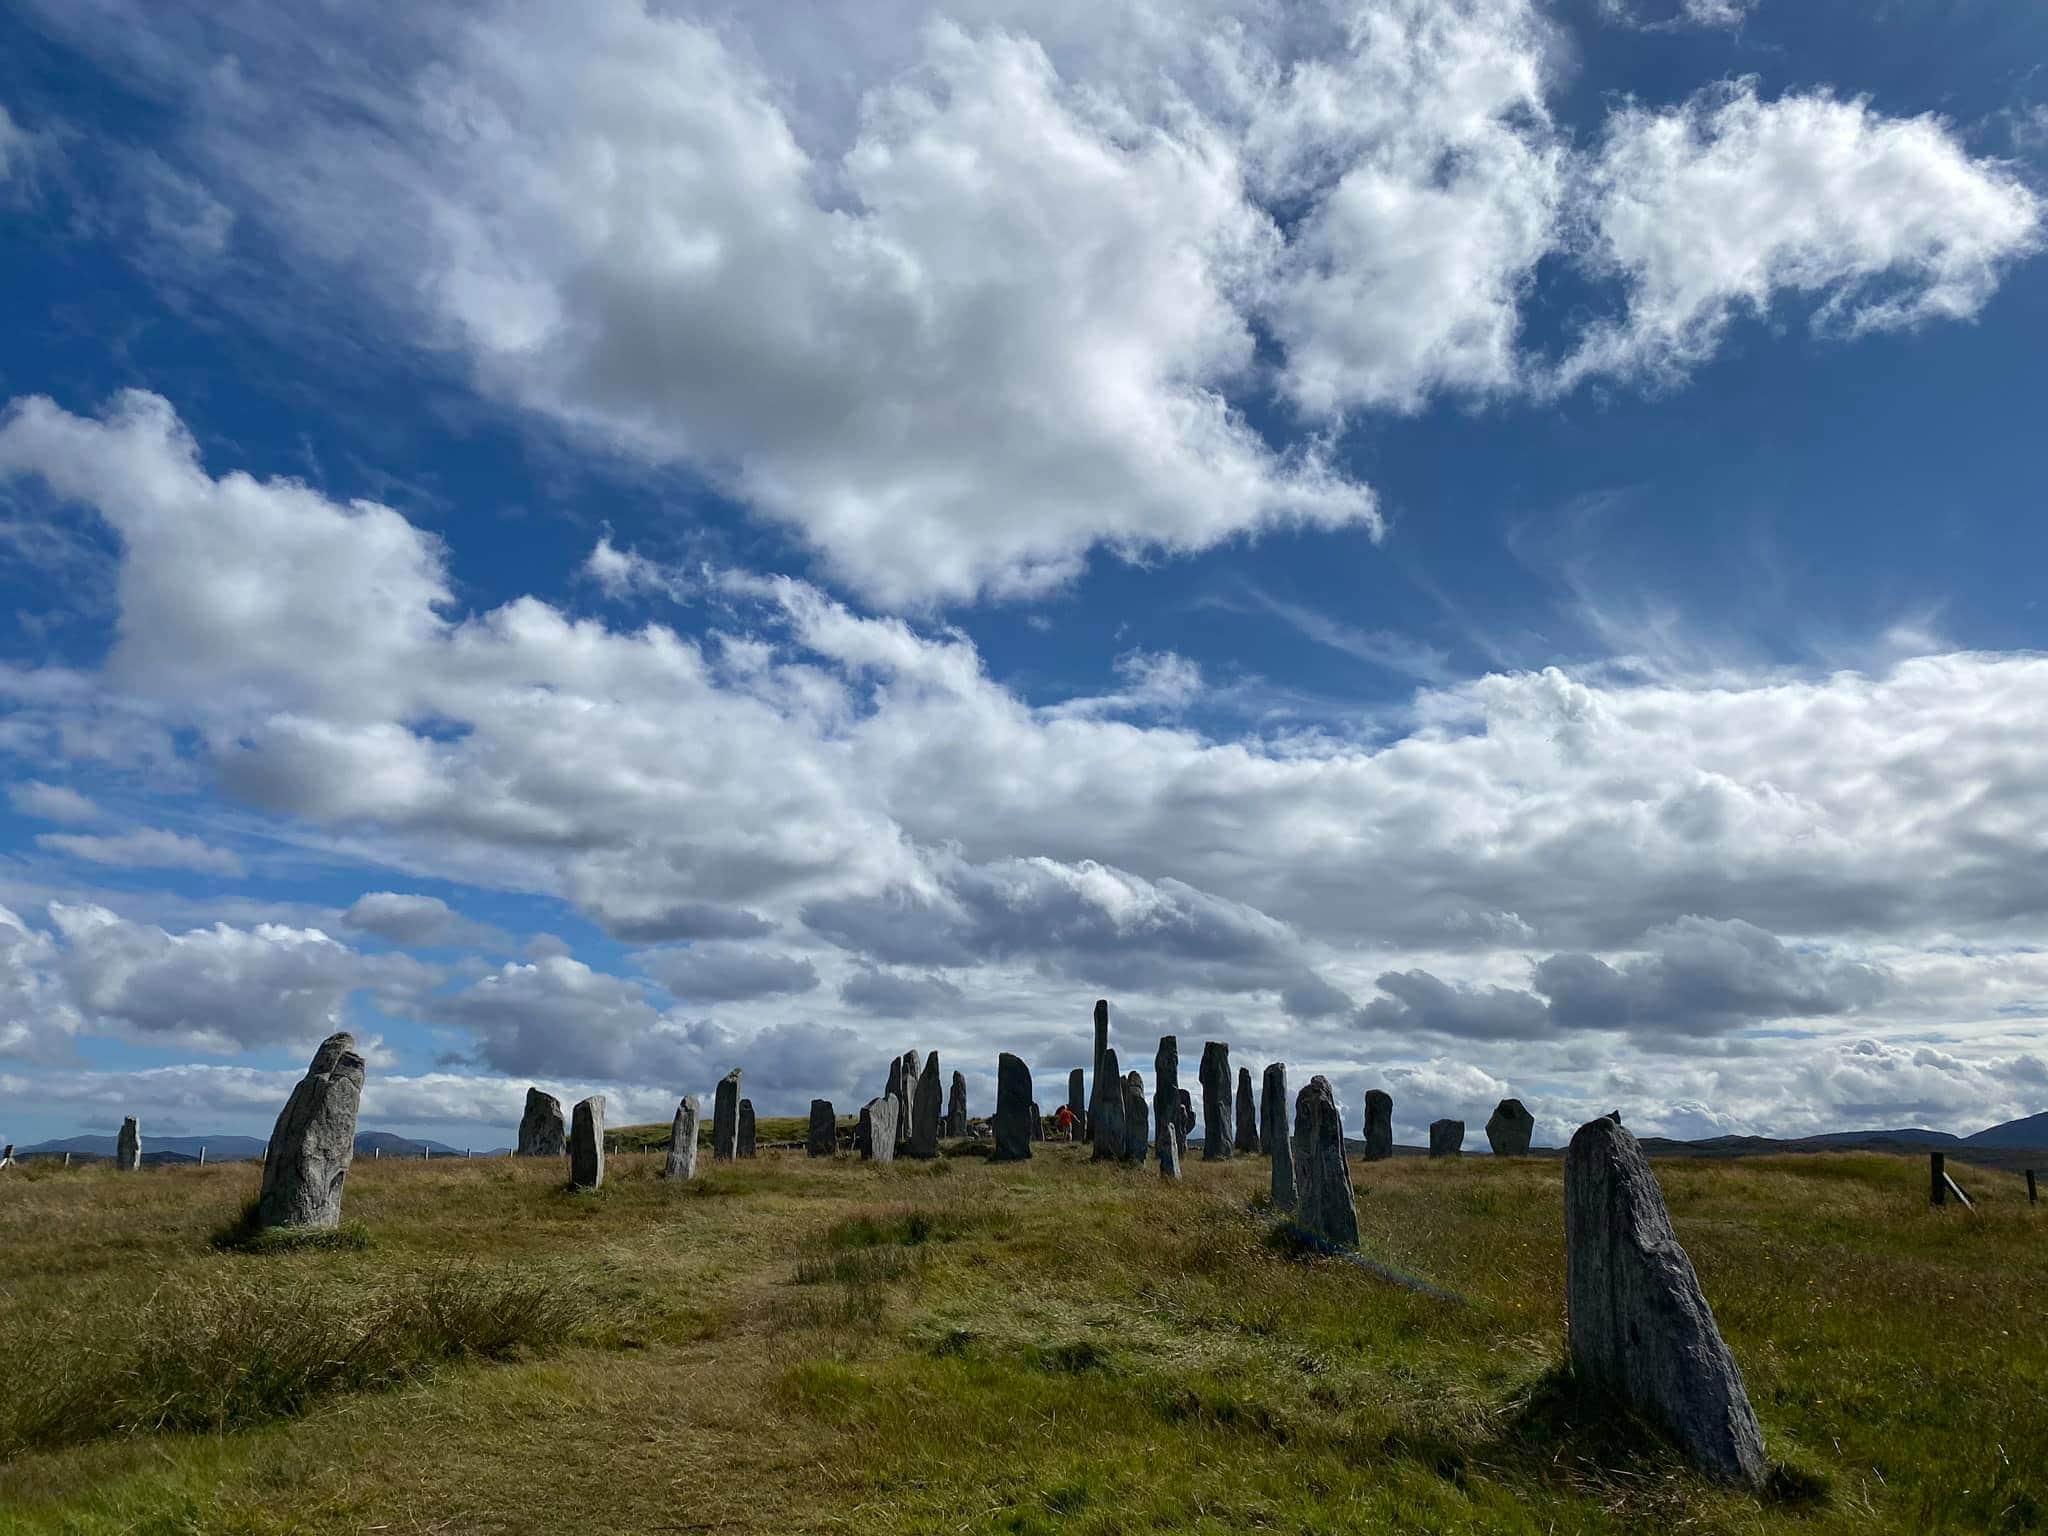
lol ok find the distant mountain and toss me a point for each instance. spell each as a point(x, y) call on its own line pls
point(370, 1143)
point(2030, 1132)
point(219, 1149)
point(1911, 1137)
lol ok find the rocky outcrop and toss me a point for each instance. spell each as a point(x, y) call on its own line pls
point(314, 1141)
point(542, 1130)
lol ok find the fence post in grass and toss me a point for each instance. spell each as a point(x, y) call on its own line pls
point(376, 1153)
point(202, 1157)
point(2033, 1197)
point(1937, 1179)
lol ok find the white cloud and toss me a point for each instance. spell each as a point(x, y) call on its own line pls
point(51, 802)
point(144, 848)
point(725, 972)
point(400, 918)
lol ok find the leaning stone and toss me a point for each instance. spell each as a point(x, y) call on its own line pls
point(1446, 1138)
point(876, 1138)
point(1166, 1098)
point(128, 1146)
point(1272, 1107)
point(682, 1141)
point(1379, 1125)
point(586, 1144)
point(1509, 1127)
point(541, 1129)
point(1215, 1076)
point(925, 1106)
point(725, 1118)
point(824, 1138)
point(1106, 1110)
point(1247, 1113)
point(745, 1146)
point(1275, 1089)
point(1013, 1110)
point(1135, 1118)
point(314, 1141)
point(1322, 1177)
point(956, 1107)
point(1640, 1326)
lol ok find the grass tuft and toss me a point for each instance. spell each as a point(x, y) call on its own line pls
point(246, 1234)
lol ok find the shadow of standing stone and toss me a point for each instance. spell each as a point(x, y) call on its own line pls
point(1446, 1138)
point(314, 1141)
point(1509, 1128)
point(1379, 1125)
point(1640, 1326)
point(586, 1144)
point(1013, 1110)
point(682, 1141)
point(542, 1132)
point(1323, 1199)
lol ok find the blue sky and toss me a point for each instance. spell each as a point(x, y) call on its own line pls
point(1475, 549)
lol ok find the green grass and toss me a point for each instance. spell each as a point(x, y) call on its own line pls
point(798, 1345)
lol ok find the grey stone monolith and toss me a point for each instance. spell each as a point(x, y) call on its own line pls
point(1037, 1123)
point(1509, 1128)
point(1285, 1197)
point(956, 1107)
point(682, 1141)
point(1247, 1138)
point(1136, 1120)
point(586, 1144)
point(1077, 1094)
point(1216, 1115)
point(1166, 1138)
point(314, 1141)
point(1106, 1109)
point(1322, 1178)
point(542, 1131)
point(894, 1089)
point(823, 1140)
point(1184, 1126)
point(926, 1104)
point(913, 1065)
point(128, 1146)
point(1446, 1138)
point(876, 1138)
point(1640, 1326)
point(744, 1142)
point(1379, 1125)
point(725, 1118)
point(1272, 1106)
point(1012, 1124)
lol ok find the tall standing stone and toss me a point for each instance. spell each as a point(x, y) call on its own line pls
point(586, 1144)
point(1379, 1125)
point(894, 1090)
point(913, 1065)
point(128, 1146)
point(823, 1140)
point(1077, 1090)
point(1215, 1075)
point(1135, 1120)
point(1272, 1106)
point(1274, 1089)
point(314, 1141)
point(725, 1118)
point(925, 1107)
point(1167, 1144)
point(1247, 1113)
point(745, 1139)
point(1322, 1177)
point(1509, 1128)
point(682, 1141)
point(1013, 1110)
point(542, 1132)
point(876, 1138)
point(1184, 1127)
point(956, 1107)
point(1446, 1138)
point(1037, 1123)
point(1106, 1112)
point(1640, 1326)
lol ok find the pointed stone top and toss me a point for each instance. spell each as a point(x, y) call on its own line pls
point(337, 1056)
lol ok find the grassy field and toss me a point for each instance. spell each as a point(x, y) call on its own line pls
point(792, 1346)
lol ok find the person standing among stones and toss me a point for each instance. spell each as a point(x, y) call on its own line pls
point(314, 1141)
point(1215, 1076)
point(682, 1142)
point(725, 1118)
point(542, 1132)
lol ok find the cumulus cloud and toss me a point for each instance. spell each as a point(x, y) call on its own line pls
point(895, 994)
point(144, 848)
point(400, 918)
point(724, 972)
point(52, 802)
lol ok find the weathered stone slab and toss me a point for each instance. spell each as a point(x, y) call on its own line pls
point(1640, 1326)
point(1509, 1128)
point(913, 1064)
point(682, 1141)
point(1282, 1149)
point(314, 1141)
point(128, 1146)
point(1446, 1138)
point(1136, 1119)
point(1167, 1144)
point(876, 1139)
point(823, 1140)
point(1184, 1127)
point(745, 1147)
point(1216, 1114)
point(1013, 1110)
point(1323, 1202)
point(956, 1107)
point(586, 1144)
point(1247, 1138)
point(1272, 1106)
point(1106, 1112)
point(926, 1103)
point(1037, 1123)
point(725, 1118)
point(542, 1130)
point(1077, 1094)
point(1379, 1125)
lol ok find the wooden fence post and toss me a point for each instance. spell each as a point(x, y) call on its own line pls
point(1937, 1179)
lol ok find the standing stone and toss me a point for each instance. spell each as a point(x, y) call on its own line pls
point(586, 1144)
point(876, 1138)
point(1272, 1106)
point(682, 1141)
point(894, 1090)
point(1013, 1110)
point(1167, 1143)
point(1509, 1128)
point(541, 1131)
point(128, 1146)
point(956, 1107)
point(314, 1141)
point(1275, 1089)
point(1184, 1126)
point(1322, 1177)
point(1247, 1113)
point(725, 1118)
point(1215, 1076)
point(1379, 1125)
point(744, 1146)
point(1037, 1123)
point(1446, 1138)
point(824, 1138)
point(1135, 1119)
point(1640, 1326)
point(925, 1105)
point(7, 1155)
point(1077, 1089)
point(1106, 1111)
point(913, 1065)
